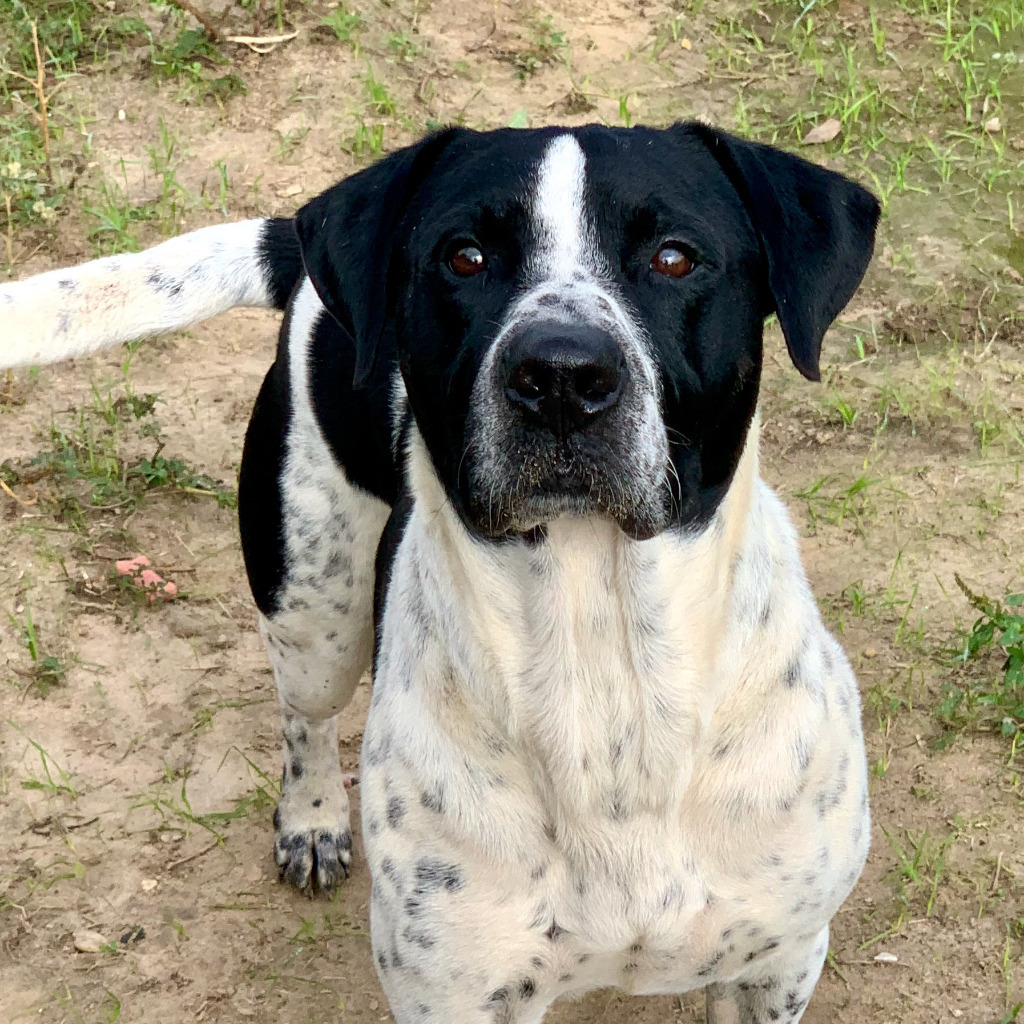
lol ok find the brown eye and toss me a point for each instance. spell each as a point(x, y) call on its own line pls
point(671, 261)
point(467, 261)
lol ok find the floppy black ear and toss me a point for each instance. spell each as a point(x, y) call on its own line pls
point(817, 230)
point(347, 236)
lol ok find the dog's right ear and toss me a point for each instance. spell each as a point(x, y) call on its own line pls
point(347, 236)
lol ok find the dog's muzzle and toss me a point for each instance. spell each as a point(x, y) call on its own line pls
point(563, 429)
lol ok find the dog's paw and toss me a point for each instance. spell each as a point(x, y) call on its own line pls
point(313, 840)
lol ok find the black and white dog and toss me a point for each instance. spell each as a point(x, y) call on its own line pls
point(509, 447)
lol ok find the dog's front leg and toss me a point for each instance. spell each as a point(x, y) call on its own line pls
point(777, 994)
point(313, 838)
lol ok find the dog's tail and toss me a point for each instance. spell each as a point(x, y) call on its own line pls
point(66, 313)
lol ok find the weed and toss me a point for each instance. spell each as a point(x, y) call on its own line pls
point(835, 506)
point(919, 871)
point(625, 116)
point(47, 670)
point(403, 46)
point(366, 142)
point(187, 55)
point(346, 26)
point(178, 806)
point(846, 412)
point(161, 472)
point(380, 100)
point(996, 640)
point(544, 46)
point(194, 57)
point(56, 781)
point(114, 215)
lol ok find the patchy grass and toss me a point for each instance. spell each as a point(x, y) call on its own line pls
point(94, 462)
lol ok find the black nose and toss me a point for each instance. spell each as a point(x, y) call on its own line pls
point(562, 376)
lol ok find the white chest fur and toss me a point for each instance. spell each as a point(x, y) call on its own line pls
point(639, 763)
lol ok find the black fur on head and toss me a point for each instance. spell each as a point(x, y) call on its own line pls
point(570, 226)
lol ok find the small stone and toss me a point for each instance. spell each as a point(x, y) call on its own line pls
point(870, 652)
point(887, 958)
point(121, 115)
point(993, 126)
point(149, 884)
point(88, 941)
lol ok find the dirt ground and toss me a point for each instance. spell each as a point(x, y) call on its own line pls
point(138, 744)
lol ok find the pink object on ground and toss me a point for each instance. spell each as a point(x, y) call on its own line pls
point(146, 579)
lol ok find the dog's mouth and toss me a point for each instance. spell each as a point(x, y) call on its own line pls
point(576, 478)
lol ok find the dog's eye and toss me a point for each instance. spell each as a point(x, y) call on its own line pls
point(671, 261)
point(467, 261)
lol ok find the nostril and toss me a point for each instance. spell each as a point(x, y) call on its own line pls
point(596, 384)
point(528, 381)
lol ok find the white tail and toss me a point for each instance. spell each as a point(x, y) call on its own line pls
point(67, 313)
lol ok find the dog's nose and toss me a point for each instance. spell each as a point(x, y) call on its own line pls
point(562, 376)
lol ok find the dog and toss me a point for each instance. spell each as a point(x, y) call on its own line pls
point(508, 449)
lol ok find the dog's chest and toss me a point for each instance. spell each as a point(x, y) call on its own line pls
point(666, 912)
point(637, 768)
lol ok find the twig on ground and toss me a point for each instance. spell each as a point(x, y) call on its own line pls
point(44, 121)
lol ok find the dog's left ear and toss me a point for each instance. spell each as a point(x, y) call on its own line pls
point(347, 236)
point(817, 230)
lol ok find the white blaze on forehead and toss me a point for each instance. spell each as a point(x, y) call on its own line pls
point(558, 209)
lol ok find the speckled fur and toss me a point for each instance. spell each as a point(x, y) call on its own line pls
point(636, 763)
point(596, 761)
point(320, 638)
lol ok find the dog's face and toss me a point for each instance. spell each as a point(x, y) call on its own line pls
point(578, 313)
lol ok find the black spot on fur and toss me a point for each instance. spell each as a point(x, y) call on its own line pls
point(432, 801)
point(419, 938)
point(711, 964)
point(163, 284)
point(396, 812)
point(434, 875)
point(792, 676)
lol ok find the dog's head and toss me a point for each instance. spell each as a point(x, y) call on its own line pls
point(578, 313)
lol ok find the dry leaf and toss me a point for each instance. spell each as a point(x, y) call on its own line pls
point(824, 132)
